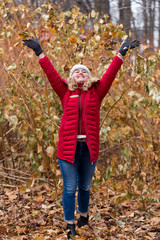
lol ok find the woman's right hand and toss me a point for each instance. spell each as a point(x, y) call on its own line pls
point(34, 45)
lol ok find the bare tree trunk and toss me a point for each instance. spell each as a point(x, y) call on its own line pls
point(92, 3)
point(159, 24)
point(84, 5)
point(151, 22)
point(125, 13)
point(105, 7)
point(52, 2)
point(98, 6)
point(120, 7)
point(36, 3)
point(145, 19)
point(32, 2)
point(67, 4)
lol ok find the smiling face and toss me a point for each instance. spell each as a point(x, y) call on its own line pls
point(80, 75)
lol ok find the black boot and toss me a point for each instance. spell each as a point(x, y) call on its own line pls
point(82, 221)
point(71, 232)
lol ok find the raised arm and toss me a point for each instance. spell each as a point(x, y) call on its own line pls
point(109, 76)
point(58, 84)
point(107, 79)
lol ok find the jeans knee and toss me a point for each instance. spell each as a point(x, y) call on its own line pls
point(70, 191)
point(85, 188)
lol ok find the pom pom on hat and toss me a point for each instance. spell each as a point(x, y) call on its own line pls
point(78, 66)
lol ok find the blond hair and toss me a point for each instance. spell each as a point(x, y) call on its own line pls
point(72, 85)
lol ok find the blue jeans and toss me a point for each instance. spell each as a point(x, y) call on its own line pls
point(80, 172)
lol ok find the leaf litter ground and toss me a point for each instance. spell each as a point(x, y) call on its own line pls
point(33, 213)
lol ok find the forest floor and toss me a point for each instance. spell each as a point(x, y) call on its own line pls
point(34, 213)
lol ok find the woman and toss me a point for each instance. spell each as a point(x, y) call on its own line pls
point(78, 145)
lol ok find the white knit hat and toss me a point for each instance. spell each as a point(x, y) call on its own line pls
point(78, 66)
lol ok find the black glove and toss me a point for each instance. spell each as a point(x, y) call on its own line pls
point(33, 44)
point(128, 45)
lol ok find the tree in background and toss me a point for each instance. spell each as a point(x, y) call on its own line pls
point(125, 13)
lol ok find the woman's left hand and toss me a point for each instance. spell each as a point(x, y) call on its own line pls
point(126, 45)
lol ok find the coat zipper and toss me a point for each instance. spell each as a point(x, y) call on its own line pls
point(87, 129)
point(80, 112)
point(77, 128)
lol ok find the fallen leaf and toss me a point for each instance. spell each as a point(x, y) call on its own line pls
point(39, 238)
point(3, 230)
point(73, 39)
point(40, 198)
point(155, 221)
point(20, 230)
point(35, 212)
point(82, 238)
point(147, 237)
point(11, 195)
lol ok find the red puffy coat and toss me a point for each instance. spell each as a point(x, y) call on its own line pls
point(71, 100)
